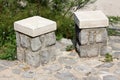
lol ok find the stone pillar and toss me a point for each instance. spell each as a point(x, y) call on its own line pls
point(91, 33)
point(35, 37)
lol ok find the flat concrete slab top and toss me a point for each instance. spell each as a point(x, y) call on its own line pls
point(90, 19)
point(35, 26)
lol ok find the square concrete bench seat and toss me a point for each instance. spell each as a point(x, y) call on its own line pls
point(35, 37)
point(35, 26)
point(90, 19)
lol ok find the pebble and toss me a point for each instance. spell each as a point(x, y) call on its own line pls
point(65, 75)
point(53, 68)
point(110, 77)
point(28, 74)
point(16, 71)
point(2, 68)
point(84, 69)
point(67, 61)
point(105, 65)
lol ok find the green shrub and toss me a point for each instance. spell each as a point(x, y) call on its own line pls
point(108, 57)
point(70, 47)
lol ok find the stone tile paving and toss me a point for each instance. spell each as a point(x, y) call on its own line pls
point(68, 66)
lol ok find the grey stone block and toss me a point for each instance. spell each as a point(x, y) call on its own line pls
point(35, 44)
point(50, 39)
point(20, 54)
point(101, 35)
point(52, 51)
point(104, 49)
point(32, 58)
point(18, 39)
point(88, 50)
point(44, 57)
point(91, 50)
point(24, 41)
point(90, 36)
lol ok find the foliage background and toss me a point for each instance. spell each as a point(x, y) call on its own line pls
point(13, 10)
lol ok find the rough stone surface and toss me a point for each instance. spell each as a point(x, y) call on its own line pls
point(84, 69)
point(32, 58)
point(28, 74)
point(44, 57)
point(66, 41)
point(2, 68)
point(20, 54)
point(53, 68)
point(53, 52)
point(92, 78)
point(89, 36)
point(110, 77)
point(106, 65)
point(35, 44)
point(17, 39)
point(66, 60)
point(50, 39)
point(36, 50)
point(16, 71)
point(116, 55)
point(88, 50)
point(65, 76)
point(67, 66)
point(24, 41)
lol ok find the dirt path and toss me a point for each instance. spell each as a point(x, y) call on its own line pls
point(109, 7)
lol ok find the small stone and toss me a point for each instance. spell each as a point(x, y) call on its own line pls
point(53, 68)
point(105, 65)
point(66, 42)
point(83, 36)
point(101, 35)
point(83, 69)
point(115, 46)
point(105, 49)
point(110, 77)
point(60, 46)
point(50, 39)
point(52, 53)
point(89, 50)
point(33, 58)
point(35, 44)
point(117, 71)
point(2, 68)
point(28, 74)
point(73, 54)
point(118, 64)
point(68, 67)
point(90, 36)
point(66, 60)
point(7, 63)
point(44, 57)
point(20, 54)
point(24, 41)
point(16, 71)
point(92, 78)
point(65, 75)
point(116, 55)
point(17, 39)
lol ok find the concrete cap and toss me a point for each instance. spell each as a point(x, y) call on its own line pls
point(35, 26)
point(90, 19)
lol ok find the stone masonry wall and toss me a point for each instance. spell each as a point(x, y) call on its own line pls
point(36, 50)
point(91, 42)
